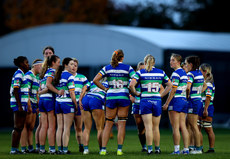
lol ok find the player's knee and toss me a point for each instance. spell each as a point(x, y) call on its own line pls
point(18, 129)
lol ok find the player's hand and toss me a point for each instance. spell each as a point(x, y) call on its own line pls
point(205, 113)
point(61, 92)
point(165, 106)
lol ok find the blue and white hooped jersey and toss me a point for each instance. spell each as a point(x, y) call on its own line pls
point(80, 81)
point(66, 83)
point(33, 85)
point(197, 80)
point(50, 73)
point(150, 82)
point(210, 92)
point(96, 91)
point(19, 81)
point(118, 80)
point(179, 80)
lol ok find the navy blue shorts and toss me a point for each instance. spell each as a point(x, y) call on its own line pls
point(64, 107)
point(114, 103)
point(34, 107)
point(15, 108)
point(136, 109)
point(178, 105)
point(90, 102)
point(194, 106)
point(210, 111)
point(150, 106)
point(46, 104)
point(58, 107)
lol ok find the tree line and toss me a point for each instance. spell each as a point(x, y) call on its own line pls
point(204, 15)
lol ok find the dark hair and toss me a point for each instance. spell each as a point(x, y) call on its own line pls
point(19, 60)
point(48, 47)
point(141, 63)
point(60, 69)
point(194, 60)
point(48, 63)
point(177, 57)
point(116, 57)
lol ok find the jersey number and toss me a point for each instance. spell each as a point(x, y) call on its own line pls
point(153, 87)
point(117, 84)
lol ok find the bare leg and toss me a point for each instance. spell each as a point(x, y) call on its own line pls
point(51, 128)
point(110, 114)
point(78, 130)
point(44, 128)
point(19, 121)
point(156, 131)
point(141, 130)
point(68, 120)
point(192, 118)
point(37, 134)
point(184, 131)
point(30, 128)
point(88, 125)
point(147, 118)
point(99, 118)
point(59, 132)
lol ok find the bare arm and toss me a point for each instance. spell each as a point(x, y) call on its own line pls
point(188, 90)
point(132, 87)
point(52, 88)
point(43, 91)
point(204, 87)
point(18, 100)
point(84, 89)
point(73, 97)
point(167, 88)
point(97, 82)
point(207, 103)
point(170, 97)
point(161, 89)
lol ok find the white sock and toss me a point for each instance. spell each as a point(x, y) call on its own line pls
point(176, 148)
point(186, 149)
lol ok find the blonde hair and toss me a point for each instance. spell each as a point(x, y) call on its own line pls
point(75, 60)
point(208, 72)
point(149, 62)
point(116, 57)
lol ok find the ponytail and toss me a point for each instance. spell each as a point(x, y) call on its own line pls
point(48, 63)
point(116, 57)
point(208, 69)
point(58, 75)
point(60, 69)
point(149, 62)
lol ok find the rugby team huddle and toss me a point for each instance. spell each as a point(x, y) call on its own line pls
point(62, 96)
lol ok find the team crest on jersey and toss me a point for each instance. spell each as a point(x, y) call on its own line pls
point(17, 81)
point(173, 80)
point(208, 91)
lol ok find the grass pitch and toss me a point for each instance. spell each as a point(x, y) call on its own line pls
point(131, 147)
